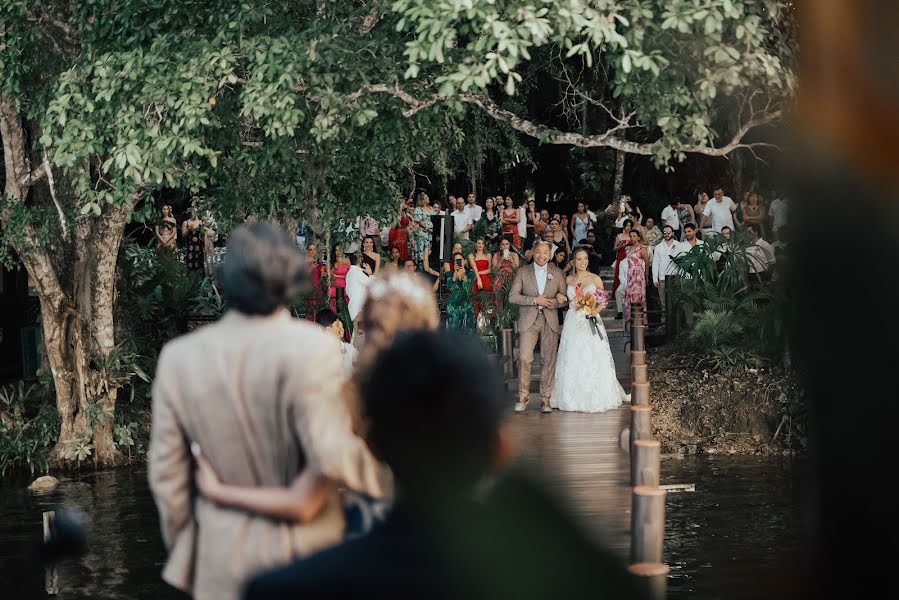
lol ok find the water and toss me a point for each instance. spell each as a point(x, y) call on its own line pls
point(733, 538)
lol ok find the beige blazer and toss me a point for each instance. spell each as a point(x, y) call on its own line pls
point(262, 397)
point(524, 290)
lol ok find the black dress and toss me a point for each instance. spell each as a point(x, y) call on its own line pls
point(367, 260)
point(195, 256)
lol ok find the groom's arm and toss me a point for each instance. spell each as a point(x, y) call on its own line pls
point(515, 293)
point(560, 289)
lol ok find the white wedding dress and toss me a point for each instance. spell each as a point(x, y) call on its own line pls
point(585, 369)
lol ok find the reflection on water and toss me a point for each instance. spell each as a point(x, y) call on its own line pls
point(732, 538)
point(737, 536)
point(126, 551)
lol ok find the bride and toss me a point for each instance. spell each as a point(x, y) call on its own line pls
point(585, 370)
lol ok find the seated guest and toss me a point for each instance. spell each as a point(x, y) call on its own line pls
point(760, 254)
point(447, 537)
point(333, 325)
point(409, 266)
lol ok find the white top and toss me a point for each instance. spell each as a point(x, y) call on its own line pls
point(685, 246)
point(669, 216)
point(623, 268)
point(356, 289)
point(662, 264)
point(348, 359)
point(523, 222)
point(541, 273)
point(721, 213)
point(779, 210)
point(461, 220)
point(474, 212)
point(761, 256)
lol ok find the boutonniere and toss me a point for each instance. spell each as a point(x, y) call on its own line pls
point(549, 276)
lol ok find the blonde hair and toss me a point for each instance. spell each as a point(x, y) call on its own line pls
point(397, 302)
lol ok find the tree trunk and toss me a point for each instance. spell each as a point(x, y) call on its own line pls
point(77, 317)
point(618, 186)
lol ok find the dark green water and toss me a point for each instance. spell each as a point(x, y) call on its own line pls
point(732, 538)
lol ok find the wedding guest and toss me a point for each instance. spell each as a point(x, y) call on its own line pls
point(371, 260)
point(473, 209)
point(523, 222)
point(560, 259)
point(448, 263)
point(690, 239)
point(357, 281)
point(410, 267)
point(479, 261)
point(394, 263)
point(334, 326)
point(760, 254)
point(651, 233)
point(424, 227)
point(662, 265)
point(462, 223)
point(492, 226)
point(580, 224)
point(594, 255)
point(633, 275)
point(622, 241)
point(196, 241)
point(369, 227)
point(686, 215)
point(559, 237)
point(259, 392)
point(510, 224)
point(702, 200)
point(719, 212)
point(167, 230)
point(535, 223)
point(339, 268)
point(316, 268)
point(671, 218)
point(505, 263)
point(459, 306)
point(779, 212)
point(753, 212)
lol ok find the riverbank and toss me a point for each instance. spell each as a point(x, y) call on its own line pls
point(697, 409)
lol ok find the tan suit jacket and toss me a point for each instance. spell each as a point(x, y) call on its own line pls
point(262, 398)
point(524, 290)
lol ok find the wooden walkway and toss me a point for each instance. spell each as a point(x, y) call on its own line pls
point(579, 456)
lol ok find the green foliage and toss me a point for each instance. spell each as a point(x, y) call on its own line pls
point(29, 426)
point(739, 320)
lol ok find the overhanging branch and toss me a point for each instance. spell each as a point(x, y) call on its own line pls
point(548, 135)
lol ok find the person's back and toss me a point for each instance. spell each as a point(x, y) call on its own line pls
point(439, 541)
point(260, 393)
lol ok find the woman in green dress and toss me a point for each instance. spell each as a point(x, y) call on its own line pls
point(459, 306)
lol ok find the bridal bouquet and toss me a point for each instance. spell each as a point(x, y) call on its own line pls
point(590, 305)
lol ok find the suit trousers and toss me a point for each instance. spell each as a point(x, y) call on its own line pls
point(549, 347)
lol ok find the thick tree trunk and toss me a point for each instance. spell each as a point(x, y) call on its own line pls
point(77, 318)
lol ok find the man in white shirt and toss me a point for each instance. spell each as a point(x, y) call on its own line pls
point(760, 254)
point(334, 326)
point(473, 210)
point(779, 211)
point(662, 265)
point(690, 238)
point(462, 223)
point(670, 218)
point(719, 212)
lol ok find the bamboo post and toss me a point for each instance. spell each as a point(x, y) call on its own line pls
point(638, 357)
point(640, 393)
point(652, 578)
point(645, 463)
point(51, 580)
point(641, 428)
point(647, 524)
point(639, 373)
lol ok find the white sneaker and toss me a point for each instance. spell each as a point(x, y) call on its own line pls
point(520, 406)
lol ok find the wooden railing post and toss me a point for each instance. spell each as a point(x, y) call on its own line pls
point(640, 393)
point(647, 524)
point(645, 463)
point(652, 577)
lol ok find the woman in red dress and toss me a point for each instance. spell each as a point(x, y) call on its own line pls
point(622, 241)
point(483, 276)
point(510, 223)
point(399, 238)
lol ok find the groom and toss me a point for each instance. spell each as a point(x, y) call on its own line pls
point(534, 289)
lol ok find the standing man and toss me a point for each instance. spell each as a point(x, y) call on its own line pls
point(779, 213)
point(662, 264)
point(462, 223)
point(671, 219)
point(719, 212)
point(473, 210)
point(690, 239)
point(539, 290)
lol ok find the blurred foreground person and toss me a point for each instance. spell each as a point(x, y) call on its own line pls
point(260, 393)
point(448, 536)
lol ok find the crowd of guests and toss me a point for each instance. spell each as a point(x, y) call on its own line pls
point(282, 466)
point(492, 240)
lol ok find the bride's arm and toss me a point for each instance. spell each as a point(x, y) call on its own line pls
point(302, 501)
